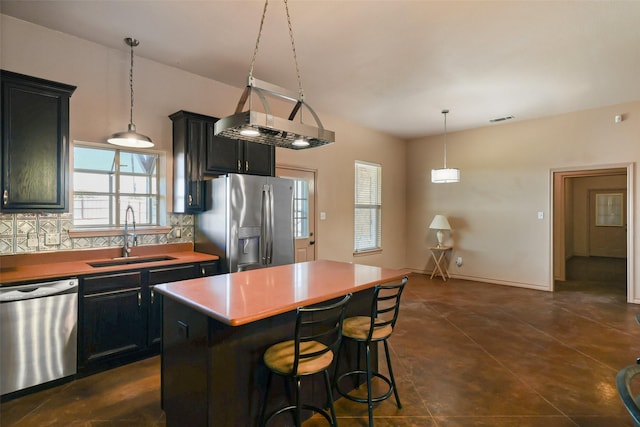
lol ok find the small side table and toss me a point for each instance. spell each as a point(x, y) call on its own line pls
point(439, 255)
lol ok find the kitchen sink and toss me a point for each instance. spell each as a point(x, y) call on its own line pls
point(129, 260)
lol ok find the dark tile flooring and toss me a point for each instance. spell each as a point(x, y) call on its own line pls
point(465, 354)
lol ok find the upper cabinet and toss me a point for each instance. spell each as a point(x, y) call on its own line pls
point(35, 144)
point(228, 155)
point(189, 144)
point(197, 152)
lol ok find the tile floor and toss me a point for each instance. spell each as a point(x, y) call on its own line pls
point(465, 354)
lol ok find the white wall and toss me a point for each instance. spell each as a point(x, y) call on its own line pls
point(506, 179)
point(100, 107)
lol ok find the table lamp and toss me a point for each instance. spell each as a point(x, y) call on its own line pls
point(440, 223)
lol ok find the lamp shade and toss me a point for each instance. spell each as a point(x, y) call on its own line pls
point(443, 176)
point(440, 222)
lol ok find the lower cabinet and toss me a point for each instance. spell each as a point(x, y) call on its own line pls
point(120, 314)
point(113, 315)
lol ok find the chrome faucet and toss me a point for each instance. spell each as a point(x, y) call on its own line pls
point(126, 249)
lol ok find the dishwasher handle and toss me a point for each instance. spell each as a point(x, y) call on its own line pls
point(38, 290)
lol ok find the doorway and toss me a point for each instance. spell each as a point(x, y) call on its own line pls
point(304, 211)
point(591, 210)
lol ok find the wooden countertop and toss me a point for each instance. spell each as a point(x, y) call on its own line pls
point(239, 298)
point(52, 265)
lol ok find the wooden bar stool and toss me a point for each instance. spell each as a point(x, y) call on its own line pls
point(368, 330)
point(318, 333)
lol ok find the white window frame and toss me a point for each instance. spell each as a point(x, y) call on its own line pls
point(367, 216)
point(117, 221)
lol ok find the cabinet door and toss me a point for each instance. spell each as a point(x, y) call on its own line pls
point(163, 275)
point(113, 325)
point(223, 154)
point(259, 159)
point(35, 146)
point(112, 318)
point(194, 155)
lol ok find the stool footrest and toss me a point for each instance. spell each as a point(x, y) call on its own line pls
point(317, 409)
point(361, 399)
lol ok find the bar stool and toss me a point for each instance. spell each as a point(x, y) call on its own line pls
point(367, 330)
point(318, 333)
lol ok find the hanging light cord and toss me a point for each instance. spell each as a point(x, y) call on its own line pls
point(293, 46)
point(445, 137)
point(131, 83)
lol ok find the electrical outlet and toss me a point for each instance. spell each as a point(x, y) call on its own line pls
point(177, 232)
point(52, 239)
point(459, 261)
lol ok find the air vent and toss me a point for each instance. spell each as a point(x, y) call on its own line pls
point(501, 119)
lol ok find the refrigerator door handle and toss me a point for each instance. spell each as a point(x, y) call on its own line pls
point(264, 232)
point(270, 226)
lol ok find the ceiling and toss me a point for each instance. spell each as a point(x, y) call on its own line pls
point(388, 65)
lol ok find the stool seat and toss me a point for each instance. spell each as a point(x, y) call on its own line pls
point(357, 328)
point(280, 358)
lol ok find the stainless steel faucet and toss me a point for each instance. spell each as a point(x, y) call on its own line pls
point(126, 249)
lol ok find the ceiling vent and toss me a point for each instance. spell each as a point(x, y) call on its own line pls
point(500, 119)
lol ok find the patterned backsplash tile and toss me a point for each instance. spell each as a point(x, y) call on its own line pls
point(28, 233)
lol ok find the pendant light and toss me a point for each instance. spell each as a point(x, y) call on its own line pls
point(445, 175)
point(263, 127)
point(131, 138)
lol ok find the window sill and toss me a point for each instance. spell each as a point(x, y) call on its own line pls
point(99, 232)
point(368, 252)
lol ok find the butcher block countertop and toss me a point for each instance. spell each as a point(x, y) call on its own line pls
point(239, 298)
point(52, 265)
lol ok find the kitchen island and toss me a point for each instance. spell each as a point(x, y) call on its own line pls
point(215, 330)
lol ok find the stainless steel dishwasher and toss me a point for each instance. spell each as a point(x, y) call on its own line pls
point(38, 333)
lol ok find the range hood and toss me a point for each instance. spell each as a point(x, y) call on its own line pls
point(269, 129)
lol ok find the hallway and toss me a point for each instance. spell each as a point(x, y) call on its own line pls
point(465, 354)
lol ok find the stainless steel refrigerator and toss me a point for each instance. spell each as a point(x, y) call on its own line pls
point(248, 222)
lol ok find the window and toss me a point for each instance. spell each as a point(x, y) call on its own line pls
point(301, 209)
point(368, 207)
point(106, 180)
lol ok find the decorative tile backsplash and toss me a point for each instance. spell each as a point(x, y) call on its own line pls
point(26, 233)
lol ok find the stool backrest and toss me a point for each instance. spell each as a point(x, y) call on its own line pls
point(385, 305)
point(320, 323)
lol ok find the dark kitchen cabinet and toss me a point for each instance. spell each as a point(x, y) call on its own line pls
point(156, 277)
point(120, 314)
point(197, 152)
point(228, 155)
point(189, 145)
point(112, 320)
point(35, 144)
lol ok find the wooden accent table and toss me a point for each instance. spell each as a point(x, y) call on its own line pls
point(439, 255)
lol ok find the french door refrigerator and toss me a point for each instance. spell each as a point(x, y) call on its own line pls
point(249, 222)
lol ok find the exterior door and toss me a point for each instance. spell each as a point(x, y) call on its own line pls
point(304, 212)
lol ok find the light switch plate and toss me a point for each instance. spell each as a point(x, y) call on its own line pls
point(540, 215)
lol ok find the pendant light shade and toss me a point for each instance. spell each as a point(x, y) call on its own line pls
point(445, 175)
point(262, 126)
point(130, 138)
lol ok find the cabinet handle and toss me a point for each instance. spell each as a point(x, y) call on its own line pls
point(139, 298)
point(189, 200)
point(239, 165)
point(246, 165)
point(5, 197)
point(153, 295)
